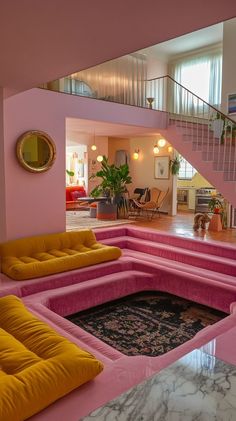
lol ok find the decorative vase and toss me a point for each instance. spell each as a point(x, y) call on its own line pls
point(150, 101)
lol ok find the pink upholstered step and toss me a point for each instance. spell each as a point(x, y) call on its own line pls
point(24, 288)
point(210, 247)
point(195, 258)
point(183, 267)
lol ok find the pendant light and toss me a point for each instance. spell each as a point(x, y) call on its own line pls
point(161, 142)
point(94, 147)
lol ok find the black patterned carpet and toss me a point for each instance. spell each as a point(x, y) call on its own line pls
point(147, 323)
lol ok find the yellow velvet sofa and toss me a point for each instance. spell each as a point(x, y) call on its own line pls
point(38, 366)
point(33, 257)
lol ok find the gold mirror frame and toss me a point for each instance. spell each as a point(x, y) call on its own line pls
point(20, 150)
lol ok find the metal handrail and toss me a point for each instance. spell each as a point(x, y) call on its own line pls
point(194, 116)
point(192, 93)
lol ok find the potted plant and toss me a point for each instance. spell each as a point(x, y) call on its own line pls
point(71, 175)
point(215, 205)
point(230, 133)
point(218, 124)
point(175, 165)
point(113, 185)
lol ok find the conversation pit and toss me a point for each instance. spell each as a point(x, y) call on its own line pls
point(148, 323)
point(151, 261)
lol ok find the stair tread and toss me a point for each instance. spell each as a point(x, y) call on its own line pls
point(183, 267)
point(218, 260)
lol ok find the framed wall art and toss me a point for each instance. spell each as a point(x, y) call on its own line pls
point(232, 104)
point(161, 167)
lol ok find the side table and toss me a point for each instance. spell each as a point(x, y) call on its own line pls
point(215, 223)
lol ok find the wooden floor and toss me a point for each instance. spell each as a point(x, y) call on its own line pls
point(182, 224)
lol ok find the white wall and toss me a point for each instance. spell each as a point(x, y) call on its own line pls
point(76, 138)
point(229, 63)
point(156, 67)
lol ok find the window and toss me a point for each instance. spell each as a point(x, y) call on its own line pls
point(186, 170)
point(202, 75)
point(191, 80)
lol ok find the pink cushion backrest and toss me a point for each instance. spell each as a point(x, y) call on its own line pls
point(71, 189)
point(75, 195)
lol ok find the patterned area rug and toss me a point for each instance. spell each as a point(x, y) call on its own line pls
point(81, 219)
point(147, 323)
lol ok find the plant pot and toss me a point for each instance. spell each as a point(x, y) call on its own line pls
point(106, 211)
point(216, 210)
point(217, 126)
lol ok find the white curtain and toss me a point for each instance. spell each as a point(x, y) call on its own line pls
point(120, 80)
point(202, 75)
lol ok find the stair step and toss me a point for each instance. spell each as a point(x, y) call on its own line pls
point(195, 137)
point(230, 176)
point(189, 124)
point(206, 261)
point(219, 154)
point(197, 131)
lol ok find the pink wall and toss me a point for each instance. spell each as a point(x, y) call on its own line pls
point(2, 173)
point(35, 203)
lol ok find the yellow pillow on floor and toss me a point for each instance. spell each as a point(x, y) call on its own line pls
point(38, 366)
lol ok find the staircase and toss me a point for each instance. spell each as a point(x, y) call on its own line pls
point(201, 133)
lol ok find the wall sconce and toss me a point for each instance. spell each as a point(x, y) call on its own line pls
point(99, 158)
point(94, 147)
point(170, 149)
point(161, 143)
point(156, 149)
point(136, 154)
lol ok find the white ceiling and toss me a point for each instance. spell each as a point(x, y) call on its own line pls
point(186, 43)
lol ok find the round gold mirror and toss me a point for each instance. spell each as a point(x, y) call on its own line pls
point(35, 151)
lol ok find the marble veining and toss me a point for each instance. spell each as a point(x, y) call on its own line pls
point(197, 387)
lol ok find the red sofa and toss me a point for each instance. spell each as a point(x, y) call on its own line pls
point(73, 193)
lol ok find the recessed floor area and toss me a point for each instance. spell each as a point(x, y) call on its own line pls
point(147, 323)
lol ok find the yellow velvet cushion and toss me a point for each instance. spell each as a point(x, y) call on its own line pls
point(43, 255)
point(38, 366)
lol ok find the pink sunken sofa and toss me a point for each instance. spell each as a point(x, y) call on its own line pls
point(151, 260)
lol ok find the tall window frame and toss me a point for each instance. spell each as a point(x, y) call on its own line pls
point(200, 73)
point(186, 171)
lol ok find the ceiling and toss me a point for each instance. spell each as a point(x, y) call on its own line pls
point(43, 41)
point(197, 39)
point(99, 128)
point(186, 43)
